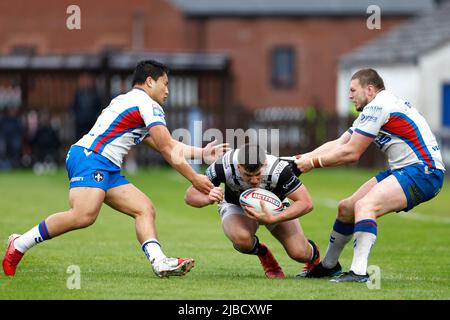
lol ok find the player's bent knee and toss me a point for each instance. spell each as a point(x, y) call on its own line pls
point(147, 210)
point(345, 210)
point(243, 243)
point(85, 220)
point(364, 208)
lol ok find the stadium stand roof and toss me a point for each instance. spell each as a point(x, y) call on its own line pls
point(31, 61)
point(405, 43)
point(206, 8)
point(121, 60)
point(176, 61)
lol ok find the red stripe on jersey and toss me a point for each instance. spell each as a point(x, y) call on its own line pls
point(402, 128)
point(131, 120)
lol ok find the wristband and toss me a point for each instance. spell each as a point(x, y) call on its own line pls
point(320, 162)
point(317, 162)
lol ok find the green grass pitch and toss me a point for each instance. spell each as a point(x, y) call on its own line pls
point(412, 250)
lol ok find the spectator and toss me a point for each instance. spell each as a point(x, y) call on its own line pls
point(10, 138)
point(45, 144)
point(86, 105)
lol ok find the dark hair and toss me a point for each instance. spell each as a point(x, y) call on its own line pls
point(369, 76)
point(251, 157)
point(148, 68)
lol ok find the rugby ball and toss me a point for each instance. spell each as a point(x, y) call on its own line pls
point(251, 199)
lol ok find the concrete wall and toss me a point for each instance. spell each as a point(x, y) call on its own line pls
point(434, 72)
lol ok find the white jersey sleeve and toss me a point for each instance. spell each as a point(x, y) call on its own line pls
point(152, 114)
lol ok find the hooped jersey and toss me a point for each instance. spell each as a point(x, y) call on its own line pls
point(277, 177)
point(400, 131)
point(123, 124)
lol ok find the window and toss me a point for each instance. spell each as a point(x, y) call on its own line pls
point(446, 105)
point(283, 67)
point(23, 50)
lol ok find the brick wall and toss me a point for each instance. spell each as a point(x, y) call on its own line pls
point(317, 41)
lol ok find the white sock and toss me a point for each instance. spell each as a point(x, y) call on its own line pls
point(341, 234)
point(365, 236)
point(152, 249)
point(32, 237)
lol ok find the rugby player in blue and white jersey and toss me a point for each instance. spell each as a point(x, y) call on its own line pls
point(93, 166)
point(415, 174)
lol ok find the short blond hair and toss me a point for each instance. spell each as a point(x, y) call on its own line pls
point(369, 76)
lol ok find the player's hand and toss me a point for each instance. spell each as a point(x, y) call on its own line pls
point(294, 167)
point(212, 151)
point(264, 217)
point(216, 195)
point(202, 183)
point(304, 164)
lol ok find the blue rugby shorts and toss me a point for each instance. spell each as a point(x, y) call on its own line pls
point(419, 182)
point(86, 168)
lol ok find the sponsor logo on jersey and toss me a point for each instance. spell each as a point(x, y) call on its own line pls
point(372, 108)
point(158, 111)
point(87, 153)
point(137, 137)
point(365, 118)
point(75, 179)
point(289, 183)
point(382, 139)
point(98, 176)
point(211, 172)
point(279, 168)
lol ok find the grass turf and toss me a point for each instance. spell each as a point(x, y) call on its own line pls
point(411, 249)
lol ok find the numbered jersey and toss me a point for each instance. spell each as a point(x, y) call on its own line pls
point(400, 131)
point(277, 177)
point(124, 123)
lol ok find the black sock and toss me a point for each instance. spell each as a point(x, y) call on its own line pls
point(257, 249)
point(315, 251)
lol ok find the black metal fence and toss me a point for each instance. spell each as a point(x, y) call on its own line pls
point(40, 100)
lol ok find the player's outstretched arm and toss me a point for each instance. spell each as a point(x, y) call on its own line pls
point(208, 154)
point(344, 154)
point(330, 145)
point(195, 198)
point(164, 143)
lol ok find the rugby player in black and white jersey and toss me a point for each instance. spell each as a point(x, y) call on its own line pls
point(250, 167)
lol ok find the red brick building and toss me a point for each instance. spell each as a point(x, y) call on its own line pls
point(279, 53)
